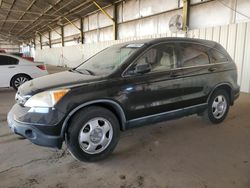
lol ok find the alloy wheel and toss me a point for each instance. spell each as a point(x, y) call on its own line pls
point(20, 80)
point(95, 135)
point(219, 106)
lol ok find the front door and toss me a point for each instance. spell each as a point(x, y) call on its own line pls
point(7, 69)
point(157, 91)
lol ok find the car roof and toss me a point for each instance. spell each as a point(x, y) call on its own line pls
point(181, 39)
point(172, 39)
point(208, 43)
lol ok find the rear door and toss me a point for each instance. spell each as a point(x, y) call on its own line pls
point(157, 91)
point(8, 66)
point(198, 73)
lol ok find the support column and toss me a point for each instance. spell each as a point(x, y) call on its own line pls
point(114, 19)
point(62, 33)
point(41, 44)
point(49, 39)
point(185, 14)
point(115, 25)
point(82, 30)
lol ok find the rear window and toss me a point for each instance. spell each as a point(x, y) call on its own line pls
point(6, 60)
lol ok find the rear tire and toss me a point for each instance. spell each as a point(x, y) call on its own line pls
point(218, 107)
point(93, 134)
point(18, 80)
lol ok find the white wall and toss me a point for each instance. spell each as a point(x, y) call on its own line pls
point(149, 19)
point(234, 37)
point(214, 13)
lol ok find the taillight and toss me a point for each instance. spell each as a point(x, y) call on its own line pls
point(42, 67)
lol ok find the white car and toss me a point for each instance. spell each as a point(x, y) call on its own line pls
point(14, 70)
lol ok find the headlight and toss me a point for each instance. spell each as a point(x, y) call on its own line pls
point(46, 98)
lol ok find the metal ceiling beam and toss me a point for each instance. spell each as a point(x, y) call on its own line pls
point(40, 34)
point(28, 12)
point(11, 38)
point(42, 14)
point(23, 20)
point(113, 19)
point(34, 25)
point(52, 29)
point(71, 23)
point(27, 9)
point(37, 23)
point(13, 2)
point(68, 20)
point(92, 12)
point(102, 10)
point(72, 11)
point(41, 29)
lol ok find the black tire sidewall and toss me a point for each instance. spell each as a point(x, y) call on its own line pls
point(210, 103)
point(18, 76)
point(82, 117)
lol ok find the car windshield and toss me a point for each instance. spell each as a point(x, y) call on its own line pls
point(108, 60)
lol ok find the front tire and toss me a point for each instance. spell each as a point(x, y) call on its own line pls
point(218, 107)
point(93, 134)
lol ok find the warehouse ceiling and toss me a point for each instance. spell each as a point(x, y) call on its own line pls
point(21, 19)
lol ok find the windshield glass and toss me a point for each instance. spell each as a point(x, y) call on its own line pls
point(106, 61)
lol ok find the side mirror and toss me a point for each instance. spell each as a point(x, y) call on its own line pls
point(142, 67)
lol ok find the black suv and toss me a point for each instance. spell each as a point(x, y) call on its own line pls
point(124, 86)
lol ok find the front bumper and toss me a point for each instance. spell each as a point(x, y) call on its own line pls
point(32, 133)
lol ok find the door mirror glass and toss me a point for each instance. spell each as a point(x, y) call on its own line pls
point(142, 67)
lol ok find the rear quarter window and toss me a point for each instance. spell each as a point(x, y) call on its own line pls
point(217, 57)
point(193, 55)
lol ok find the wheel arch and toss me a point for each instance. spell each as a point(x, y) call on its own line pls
point(18, 75)
point(225, 86)
point(106, 103)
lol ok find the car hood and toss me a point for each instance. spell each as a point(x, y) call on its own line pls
point(66, 79)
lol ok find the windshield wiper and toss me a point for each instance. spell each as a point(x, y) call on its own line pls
point(89, 71)
point(86, 70)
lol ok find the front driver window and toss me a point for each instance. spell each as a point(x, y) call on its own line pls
point(160, 58)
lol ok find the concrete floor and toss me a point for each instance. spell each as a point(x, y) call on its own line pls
point(175, 154)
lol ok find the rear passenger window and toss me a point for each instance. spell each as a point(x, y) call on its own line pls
point(6, 60)
point(193, 55)
point(217, 57)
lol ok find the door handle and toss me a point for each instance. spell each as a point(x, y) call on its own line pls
point(174, 74)
point(212, 69)
point(11, 67)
